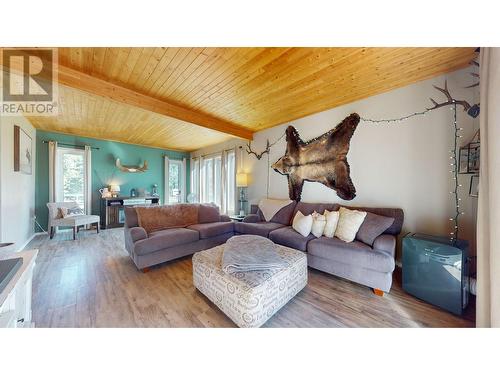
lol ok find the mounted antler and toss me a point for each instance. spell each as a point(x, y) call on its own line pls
point(472, 111)
point(132, 168)
point(450, 100)
point(258, 156)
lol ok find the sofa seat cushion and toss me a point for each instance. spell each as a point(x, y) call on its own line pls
point(163, 239)
point(262, 228)
point(209, 230)
point(354, 253)
point(287, 236)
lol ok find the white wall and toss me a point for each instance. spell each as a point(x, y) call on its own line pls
point(402, 165)
point(17, 190)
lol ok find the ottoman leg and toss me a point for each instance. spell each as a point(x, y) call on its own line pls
point(378, 292)
point(98, 227)
point(145, 270)
point(74, 233)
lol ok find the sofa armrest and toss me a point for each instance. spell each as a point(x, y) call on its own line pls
point(252, 218)
point(137, 233)
point(385, 243)
point(224, 218)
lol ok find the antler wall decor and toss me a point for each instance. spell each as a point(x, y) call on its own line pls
point(472, 110)
point(132, 168)
point(266, 150)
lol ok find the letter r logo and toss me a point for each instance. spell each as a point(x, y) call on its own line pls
point(27, 75)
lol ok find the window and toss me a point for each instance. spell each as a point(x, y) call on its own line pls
point(70, 185)
point(216, 180)
point(174, 176)
point(230, 182)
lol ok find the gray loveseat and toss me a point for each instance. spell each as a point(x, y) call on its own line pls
point(146, 250)
point(370, 264)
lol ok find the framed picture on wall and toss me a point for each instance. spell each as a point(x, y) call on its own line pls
point(474, 186)
point(469, 158)
point(23, 157)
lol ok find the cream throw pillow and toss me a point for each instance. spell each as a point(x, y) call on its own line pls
point(318, 226)
point(332, 219)
point(349, 223)
point(302, 224)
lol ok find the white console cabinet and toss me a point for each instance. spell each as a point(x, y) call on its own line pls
point(15, 299)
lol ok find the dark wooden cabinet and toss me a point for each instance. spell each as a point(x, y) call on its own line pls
point(113, 209)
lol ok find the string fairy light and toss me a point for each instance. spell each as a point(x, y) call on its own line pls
point(453, 161)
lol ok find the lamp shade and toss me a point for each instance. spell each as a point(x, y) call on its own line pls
point(241, 180)
point(115, 188)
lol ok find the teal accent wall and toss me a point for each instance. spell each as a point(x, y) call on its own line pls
point(104, 171)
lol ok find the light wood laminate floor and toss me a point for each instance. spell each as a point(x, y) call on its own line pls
point(92, 282)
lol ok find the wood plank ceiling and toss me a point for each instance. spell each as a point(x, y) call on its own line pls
point(251, 88)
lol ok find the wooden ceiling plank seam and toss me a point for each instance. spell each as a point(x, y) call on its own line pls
point(189, 73)
point(250, 69)
point(210, 81)
point(170, 68)
point(160, 69)
point(181, 67)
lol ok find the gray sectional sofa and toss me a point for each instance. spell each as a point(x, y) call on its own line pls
point(211, 230)
point(368, 260)
point(368, 264)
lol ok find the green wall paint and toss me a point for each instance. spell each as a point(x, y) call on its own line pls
point(104, 171)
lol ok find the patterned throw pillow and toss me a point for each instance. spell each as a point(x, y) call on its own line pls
point(332, 219)
point(69, 212)
point(302, 224)
point(319, 223)
point(349, 223)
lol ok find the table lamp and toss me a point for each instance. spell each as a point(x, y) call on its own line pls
point(242, 183)
point(115, 190)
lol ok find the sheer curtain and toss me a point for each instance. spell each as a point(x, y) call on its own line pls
point(488, 221)
point(213, 179)
point(88, 180)
point(52, 170)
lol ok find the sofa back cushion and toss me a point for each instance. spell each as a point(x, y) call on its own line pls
point(372, 227)
point(396, 213)
point(208, 213)
point(283, 216)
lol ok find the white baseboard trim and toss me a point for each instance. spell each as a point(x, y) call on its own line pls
point(29, 240)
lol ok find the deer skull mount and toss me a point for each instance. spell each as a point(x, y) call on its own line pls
point(132, 168)
point(258, 155)
point(472, 110)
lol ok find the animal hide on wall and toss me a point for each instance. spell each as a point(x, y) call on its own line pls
point(322, 159)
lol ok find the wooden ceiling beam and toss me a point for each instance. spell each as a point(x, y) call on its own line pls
point(93, 85)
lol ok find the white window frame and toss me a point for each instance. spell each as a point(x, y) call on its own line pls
point(60, 173)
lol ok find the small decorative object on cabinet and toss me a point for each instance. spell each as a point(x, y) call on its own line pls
point(133, 193)
point(105, 193)
point(155, 191)
point(436, 271)
point(15, 298)
point(115, 190)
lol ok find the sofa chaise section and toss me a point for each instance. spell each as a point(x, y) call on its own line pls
point(164, 245)
point(370, 265)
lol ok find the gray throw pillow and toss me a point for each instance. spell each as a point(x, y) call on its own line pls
point(372, 227)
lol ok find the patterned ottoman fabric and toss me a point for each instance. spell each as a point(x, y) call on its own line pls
point(249, 298)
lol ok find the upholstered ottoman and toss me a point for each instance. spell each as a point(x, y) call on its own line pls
point(249, 299)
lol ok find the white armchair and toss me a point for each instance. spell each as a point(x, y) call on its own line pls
point(55, 220)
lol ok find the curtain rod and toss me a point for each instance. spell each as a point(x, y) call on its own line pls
point(216, 152)
point(78, 146)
